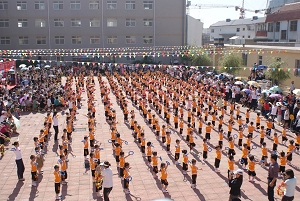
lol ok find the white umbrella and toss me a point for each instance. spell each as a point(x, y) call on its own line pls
point(24, 69)
point(37, 68)
point(47, 66)
point(22, 65)
point(296, 91)
point(239, 82)
point(11, 70)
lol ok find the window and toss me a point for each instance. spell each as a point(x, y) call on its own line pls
point(293, 25)
point(111, 5)
point(4, 40)
point(148, 5)
point(112, 22)
point(94, 5)
point(277, 26)
point(4, 23)
point(59, 23)
point(75, 5)
point(148, 22)
point(237, 29)
point(41, 40)
point(112, 40)
point(40, 23)
point(283, 35)
point(22, 23)
point(95, 40)
point(260, 60)
point(23, 40)
point(297, 68)
point(58, 5)
point(243, 36)
point(292, 40)
point(243, 29)
point(248, 36)
point(60, 58)
point(59, 40)
point(130, 22)
point(21, 5)
point(39, 5)
point(3, 5)
point(76, 40)
point(130, 5)
point(75, 23)
point(94, 22)
point(148, 39)
point(130, 40)
point(270, 27)
point(212, 31)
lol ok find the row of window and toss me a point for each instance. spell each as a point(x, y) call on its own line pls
point(111, 22)
point(75, 40)
point(276, 26)
point(76, 5)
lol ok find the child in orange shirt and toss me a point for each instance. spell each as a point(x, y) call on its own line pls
point(284, 138)
point(163, 177)
point(218, 158)
point(208, 130)
point(34, 175)
point(205, 149)
point(251, 168)
point(168, 142)
point(154, 164)
point(194, 169)
point(262, 135)
point(184, 162)
point(275, 142)
point(258, 120)
point(56, 174)
point(85, 146)
point(181, 123)
point(241, 135)
point(127, 178)
point(245, 152)
point(177, 151)
point(200, 124)
point(247, 116)
point(230, 165)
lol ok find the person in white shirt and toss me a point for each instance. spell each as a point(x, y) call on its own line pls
point(292, 87)
point(107, 176)
point(290, 185)
point(19, 161)
point(55, 125)
point(70, 103)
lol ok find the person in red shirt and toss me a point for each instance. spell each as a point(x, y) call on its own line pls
point(266, 109)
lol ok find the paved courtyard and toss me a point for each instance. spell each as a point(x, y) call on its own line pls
point(210, 185)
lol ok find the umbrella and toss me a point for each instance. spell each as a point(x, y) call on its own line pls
point(276, 96)
point(24, 69)
point(261, 67)
point(193, 67)
point(239, 82)
point(253, 83)
point(246, 91)
point(296, 91)
point(266, 91)
point(11, 70)
point(22, 65)
point(47, 66)
point(238, 78)
point(173, 66)
point(275, 89)
point(37, 68)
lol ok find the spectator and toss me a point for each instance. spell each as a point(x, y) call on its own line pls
point(290, 185)
point(272, 176)
point(235, 185)
point(107, 180)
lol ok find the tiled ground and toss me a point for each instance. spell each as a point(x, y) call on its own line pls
point(211, 186)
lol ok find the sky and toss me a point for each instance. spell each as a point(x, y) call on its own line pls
point(209, 16)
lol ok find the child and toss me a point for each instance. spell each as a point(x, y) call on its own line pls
point(230, 124)
point(177, 151)
point(264, 153)
point(143, 144)
point(205, 114)
point(251, 168)
point(181, 124)
point(92, 138)
point(282, 163)
point(93, 164)
point(262, 135)
point(231, 151)
point(57, 182)
point(247, 116)
point(117, 153)
point(85, 146)
point(269, 127)
point(290, 150)
point(200, 124)
point(275, 142)
point(176, 121)
point(97, 153)
point(218, 158)
point(284, 138)
point(163, 177)
point(154, 164)
point(297, 144)
point(221, 138)
point(251, 128)
point(230, 165)
point(189, 130)
point(126, 178)
point(122, 164)
point(163, 134)
point(168, 142)
point(184, 161)
point(245, 152)
point(258, 120)
point(213, 121)
point(220, 122)
point(241, 135)
point(34, 165)
point(148, 153)
point(208, 130)
point(194, 169)
point(205, 149)
point(63, 167)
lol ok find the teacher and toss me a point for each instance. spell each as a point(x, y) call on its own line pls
point(272, 176)
point(235, 185)
point(107, 177)
point(19, 161)
point(290, 185)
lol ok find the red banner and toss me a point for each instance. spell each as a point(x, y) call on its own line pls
point(7, 65)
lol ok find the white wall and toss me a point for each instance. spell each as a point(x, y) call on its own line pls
point(194, 31)
point(291, 35)
point(218, 31)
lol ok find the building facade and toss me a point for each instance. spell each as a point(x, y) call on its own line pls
point(194, 31)
point(75, 24)
point(274, 5)
point(282, 25)
point(241, 28)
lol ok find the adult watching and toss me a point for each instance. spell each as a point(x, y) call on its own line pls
point(19, 161)
point(107, 180)
point(290, 185)
point(235, 184)
point(272, 176)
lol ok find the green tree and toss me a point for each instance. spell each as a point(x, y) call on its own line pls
point(232, 62)
point(276, 72)
point(201, 60)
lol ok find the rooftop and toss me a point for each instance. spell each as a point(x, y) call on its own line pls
point(247, 21)
point(265, 47)
point(287, 12)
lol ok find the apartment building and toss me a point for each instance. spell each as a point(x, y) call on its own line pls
point(75, 24)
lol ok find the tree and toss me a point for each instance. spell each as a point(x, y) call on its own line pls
point(201, 60)
point(275, 71)
point(231, 62)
